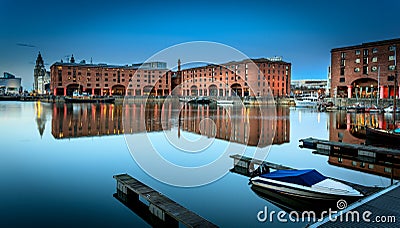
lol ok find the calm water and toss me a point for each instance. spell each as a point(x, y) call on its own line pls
point(57, 161)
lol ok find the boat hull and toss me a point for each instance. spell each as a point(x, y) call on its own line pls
point(382, 137)
point(300, 193)
point(89, 100)
point(306, 104)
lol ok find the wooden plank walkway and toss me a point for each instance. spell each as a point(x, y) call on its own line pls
point(160, 202)
point(384, 205)
point(313, 143)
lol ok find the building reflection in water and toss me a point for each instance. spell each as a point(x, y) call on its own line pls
point(42, 110)
point(350, 127)
point(232, 123)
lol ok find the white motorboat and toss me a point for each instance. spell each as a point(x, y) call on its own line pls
point(307, 101)
point(225, 102)
point(308, 184)
point(390, 109)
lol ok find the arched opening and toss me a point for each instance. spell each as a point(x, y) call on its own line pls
point(213, 90)
point(365, 88)
point(118, 90)
point(147, 90)
point(193, 91)
point(236, 90)
point(73, 87)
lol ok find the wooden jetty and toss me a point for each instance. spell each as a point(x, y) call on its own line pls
point(384, 205)
point(331, 146)
point(129, 190)
point(246, 166)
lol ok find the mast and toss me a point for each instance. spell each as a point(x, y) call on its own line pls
point(378, 94)
point(395, 85)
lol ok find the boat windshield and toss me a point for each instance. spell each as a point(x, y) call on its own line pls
point(307, 177)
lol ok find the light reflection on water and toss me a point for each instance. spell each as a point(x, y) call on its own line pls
point(57, 161)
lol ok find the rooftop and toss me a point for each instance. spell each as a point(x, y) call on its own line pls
point(368, 44)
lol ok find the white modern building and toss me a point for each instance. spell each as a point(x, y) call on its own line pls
point(9, 84)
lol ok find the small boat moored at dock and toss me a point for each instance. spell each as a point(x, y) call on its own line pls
point(382, 137)
point(306, 184)
point(85, 98)
point(307, 101)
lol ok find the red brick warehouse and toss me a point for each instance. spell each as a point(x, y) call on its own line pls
point(355, 69)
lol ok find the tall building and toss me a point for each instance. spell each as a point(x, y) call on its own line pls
point(356, 70)
point(41, 82)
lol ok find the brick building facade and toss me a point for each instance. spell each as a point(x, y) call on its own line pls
point(256, 77)
point(103, 79)
point(355, 69)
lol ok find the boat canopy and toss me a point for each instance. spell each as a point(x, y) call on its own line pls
point(305, 177)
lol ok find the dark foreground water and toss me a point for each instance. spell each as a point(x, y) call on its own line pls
point(57, 161)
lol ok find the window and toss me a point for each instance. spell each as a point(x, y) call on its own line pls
point(387, 170)
point(391, 67)
point(357, 69)
point(358, 52)
point(357, 60)
point(370, 166)
point(365, 69)
point(374, 69)
point(342, 71)
point(343, 55)
point(342, 62)
point(374, 59)
point(391, 57)
point(392, 48)
point(354, 163)
point(342, 80)
point(374, 50)
point(365, 52)
point(365, 60)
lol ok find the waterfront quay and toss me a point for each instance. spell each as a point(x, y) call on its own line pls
point(379, 209)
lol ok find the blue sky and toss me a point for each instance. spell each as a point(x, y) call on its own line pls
point(125, 32)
